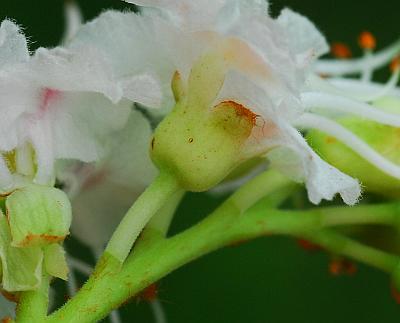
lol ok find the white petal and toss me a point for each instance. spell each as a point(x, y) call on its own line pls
point(130, 45)
point(304, 38)
point(82, 123)
point(294, 157)
point(123, 174)
point(13, 45)
point(189, 14)
point(81, 69)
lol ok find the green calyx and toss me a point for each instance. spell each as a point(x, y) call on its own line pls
point(38, 219)
point(38, 215)
point(198, 143)
point(384, 139)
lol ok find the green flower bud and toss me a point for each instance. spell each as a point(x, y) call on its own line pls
point(38, 216)
point(382, 138)
point(198, 144)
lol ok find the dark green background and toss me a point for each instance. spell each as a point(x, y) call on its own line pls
point(271, 279)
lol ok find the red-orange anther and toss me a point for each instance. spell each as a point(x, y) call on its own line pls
point(340, 50)
point(366, 40)
point(395, 65)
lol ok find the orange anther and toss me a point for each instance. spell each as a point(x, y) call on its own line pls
point(341, 50)
point(366, 40)
point(395, 64)
point(340, 266)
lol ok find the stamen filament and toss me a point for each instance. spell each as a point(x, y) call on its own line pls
point(312, 121)
point(368, 95)
point(314, 101)
point(340, 67)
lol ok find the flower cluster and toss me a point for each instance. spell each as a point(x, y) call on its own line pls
point(223, 81)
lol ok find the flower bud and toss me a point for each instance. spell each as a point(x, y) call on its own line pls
point(201, 145)
point(38, 216)
point(382, 138)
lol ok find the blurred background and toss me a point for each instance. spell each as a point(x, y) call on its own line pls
point(270, 279)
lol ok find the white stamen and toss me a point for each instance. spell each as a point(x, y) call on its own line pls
point(314, 101)
point(364, 93)
point(158, 311)
point(361, 89)
point(366, 74)
point(311, 121)
point(337, 67)
point(73, 18)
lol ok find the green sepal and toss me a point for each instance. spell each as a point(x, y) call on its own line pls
point(54, 261)
point(38, 215)
point(21, 267)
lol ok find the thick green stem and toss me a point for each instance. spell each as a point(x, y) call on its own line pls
point(33, 305)
point(110, 288)
point(155, 196)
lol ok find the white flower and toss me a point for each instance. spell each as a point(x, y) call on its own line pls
point(102, 193)
point(58, 103)
point(267, 64)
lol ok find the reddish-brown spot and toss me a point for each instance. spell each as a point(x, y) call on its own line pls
point(149, 293)
point(340, 50)
point(31, 239)
point(307, 245)
point(342, 267)
point(395, 293)
point(242, 111)
point(366, 40)
point(6, 319)
point(12, 297)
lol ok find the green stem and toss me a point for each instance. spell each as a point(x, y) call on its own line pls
point(345, 246)
point(33, 305)
point(155, 196)
point(225, 226)
point(163, 218)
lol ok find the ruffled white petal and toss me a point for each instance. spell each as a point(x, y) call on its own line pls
point(13, 44)
point(188, 14)
point(304, 38)
point(130, 44)
point(294, 157)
